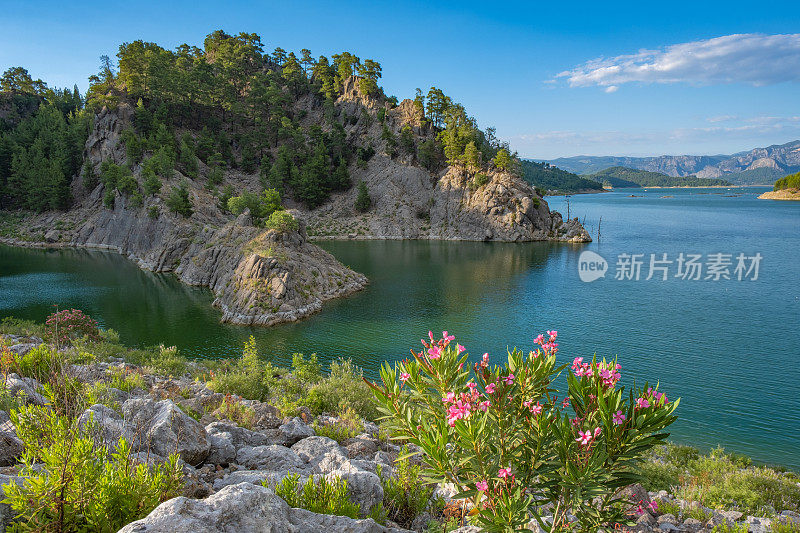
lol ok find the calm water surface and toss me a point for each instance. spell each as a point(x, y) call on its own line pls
point(730, 349)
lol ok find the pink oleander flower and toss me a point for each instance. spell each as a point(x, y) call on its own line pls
point(642, 403)
point(447, 338)
point(430, 335)
point(509, 379)
point(482, 485)
point(536, 409)
point(539, 339)
point(584, 437)
point(459, 349)
point(653, 506)
point(405, 377)
point(490, 388)
point(434, 352)
point(504, 473)
point(618, 418)
point(484, 406)
point(597, 432)
point(485, 360)
point(471, 385)
point(565, 403)
point(449, 397)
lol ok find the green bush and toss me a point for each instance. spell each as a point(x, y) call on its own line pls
point(237, 412)
point(348, 426)
point(405, 495)
point(249, 376)
point(281, 221)
point(72, 485)
point(166, 361)
point(480, 180)
point(125, 380)
point(324, 496)
point(343, 388)
point(40, 363)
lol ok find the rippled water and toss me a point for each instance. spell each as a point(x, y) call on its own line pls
point(730, 349)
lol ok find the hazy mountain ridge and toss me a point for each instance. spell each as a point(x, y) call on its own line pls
point(756, 166)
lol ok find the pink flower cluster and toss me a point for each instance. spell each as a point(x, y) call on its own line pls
point(550, 345)
point(72, 323)
point(652, 398)
point(459, 407)
point(435, 347)
point(608, 373)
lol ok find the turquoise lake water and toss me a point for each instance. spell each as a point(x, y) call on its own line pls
point(730, 349)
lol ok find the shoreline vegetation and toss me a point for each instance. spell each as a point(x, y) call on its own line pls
point(786, 188)
point(237, 431)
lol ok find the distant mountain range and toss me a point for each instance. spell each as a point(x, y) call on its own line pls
point(757, 166)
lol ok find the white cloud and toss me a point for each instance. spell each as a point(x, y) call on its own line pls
point(749, 58)
point(611, 89)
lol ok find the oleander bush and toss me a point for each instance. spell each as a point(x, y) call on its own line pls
point(503, 436)
point(69, 324)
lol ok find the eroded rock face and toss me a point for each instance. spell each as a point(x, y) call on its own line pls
point(408, 202)
point(245, 508)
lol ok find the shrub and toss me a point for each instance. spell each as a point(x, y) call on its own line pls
point(344, 388)
point(281, 221)
point(325, 495)
point(39, 363)
point(505, 440)
point(237, 412)
point(70, 324)
point(405, 495)
point(152, 212)
point(72, 485)
point(125, 380)
point(348, 426)
point(249, 376)
point(178, 201)
point(480, 180)
point(109, 198)
point(363, 201)
point(152, 183)
point(167, 361)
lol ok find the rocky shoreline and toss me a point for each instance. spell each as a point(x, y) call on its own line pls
point(783, 194)
point(230, 472)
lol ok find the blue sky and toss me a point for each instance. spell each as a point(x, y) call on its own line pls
point(555, 79)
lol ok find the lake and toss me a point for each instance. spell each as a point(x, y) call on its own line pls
point(729, 348)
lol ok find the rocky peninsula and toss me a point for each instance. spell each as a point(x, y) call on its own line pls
point(267, 276)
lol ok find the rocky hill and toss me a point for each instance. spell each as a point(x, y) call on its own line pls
point(757, 166)
point(261, 275)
